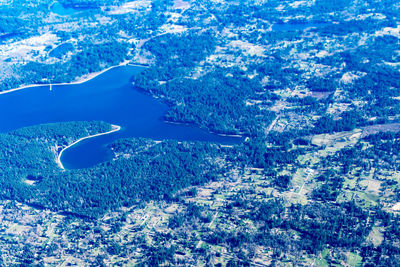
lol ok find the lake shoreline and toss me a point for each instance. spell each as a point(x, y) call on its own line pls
point(185, 123)
point(114, 128)
point(80, 80)
point(110, 99)
point(190, 124)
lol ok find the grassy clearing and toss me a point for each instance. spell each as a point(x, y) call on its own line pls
point(337, 141)
point(353, 259)
point(376, 236)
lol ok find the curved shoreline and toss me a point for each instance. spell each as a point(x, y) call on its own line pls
point(80, 80)
point(204, 128)
point(115, 128)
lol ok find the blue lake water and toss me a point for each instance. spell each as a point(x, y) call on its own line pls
point(109, 97)
point(64, 10)
point(6, 36)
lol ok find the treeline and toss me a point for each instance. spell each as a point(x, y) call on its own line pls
point(380, 83)
point(341, 227)
point(271, 151)
point(216, 100)
point(329, 186)
point(280, 77)
point(145, 26)
point(9, 24)
point(174, 53)
point(379, 151)
point(30, 153)
point(183, 50)
point(388, 252)
point(144, 170)
point(61, 50)
point(347, 122)
point(93, 58)
point(319, 224)
point(152, 171)
point(155, 173)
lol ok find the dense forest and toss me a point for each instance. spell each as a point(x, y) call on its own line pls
point(215, 101)
point(144, 176)
point(312, 86)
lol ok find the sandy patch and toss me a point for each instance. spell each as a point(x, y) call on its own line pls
point(172, 28)
point(29, 182)
point(392, 64)
point(389, 31)
point(205, 192)
point(338, 108)
point(376, 236)
point(339, 139)
point(131, 7)
point(297, 4)
point(322, 53)
point(320, 95)
point(171, 209)
point(377, 16)
point(173, 17)
point(396, 207)
point(248, 48)
point(280, 8)
point(349, 77)
point(28, 49)
point(179, 4)
point(373, 129)
point(374, 186)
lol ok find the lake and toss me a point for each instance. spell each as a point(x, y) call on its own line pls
point(109, 97)
point(69, 10)
point(6, 36)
